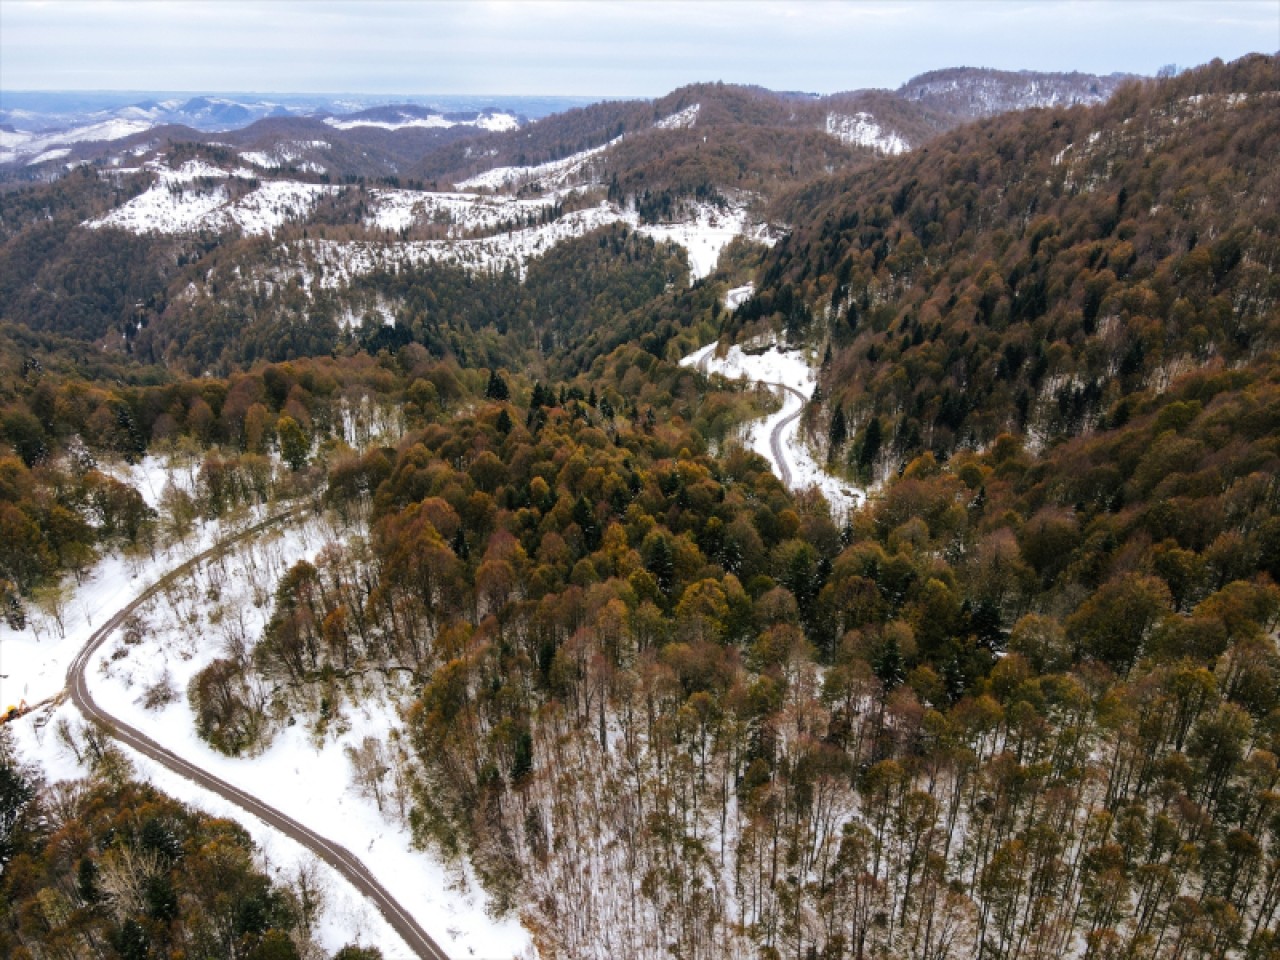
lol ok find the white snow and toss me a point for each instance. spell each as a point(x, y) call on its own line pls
point(681, 120)
point(34, 660)
point(259, 159)
point(790, 369)
point(274, 203)
point(704, 236)
point(346, 916)
point(736, 297)
point(55, 154)
point(170, 205)
point(309, 775)
point(286, 153)
point(494, 122)
point(464, 213)
point(862, 129)
point(309, 781)
point(555, 173)
point(19, 143)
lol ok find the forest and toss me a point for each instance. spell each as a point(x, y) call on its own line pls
point(1023, 702)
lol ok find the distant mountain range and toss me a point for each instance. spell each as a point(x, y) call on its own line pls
point(429, 137)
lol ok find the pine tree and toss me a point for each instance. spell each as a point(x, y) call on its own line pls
point(497, 388)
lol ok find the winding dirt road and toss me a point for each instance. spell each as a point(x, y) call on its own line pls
point(330, 852)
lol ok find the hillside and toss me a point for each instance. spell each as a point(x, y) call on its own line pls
point(572, 635)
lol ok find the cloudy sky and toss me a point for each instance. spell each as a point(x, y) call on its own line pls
point(597, 47)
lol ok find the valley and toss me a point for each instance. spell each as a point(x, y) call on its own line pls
point(730, 524)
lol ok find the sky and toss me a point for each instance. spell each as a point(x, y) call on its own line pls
point(597, 48)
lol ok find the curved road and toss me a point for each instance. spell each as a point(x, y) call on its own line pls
point(775, 435)
point(331, 853)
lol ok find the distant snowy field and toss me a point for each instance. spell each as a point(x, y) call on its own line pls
point(704, 236)
point(791, 369)
point(175, 203)
point(492, 122)
point(16, 144)
point(863, 130)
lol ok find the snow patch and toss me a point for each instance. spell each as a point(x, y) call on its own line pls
point(55, 154)
point(863, 130)
point(704, 236)
point(463, 213)
point(681, 120)
point(493, 122)
point(555, 173)
point(172, 206)
point(736, 297)
point(18, 143)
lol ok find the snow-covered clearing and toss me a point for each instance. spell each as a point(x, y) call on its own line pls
point(681, 120)
point(15, 144)
point(704, 237)
point(463, 212)
point(286, 153)
point(791, 369)
point(173, 205)
point(493, 122)
point(863, 130)
point(554, 173)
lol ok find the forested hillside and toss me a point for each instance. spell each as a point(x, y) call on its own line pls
point(1023, 702)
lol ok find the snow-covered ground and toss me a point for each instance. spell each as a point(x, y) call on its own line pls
point(493, 122)
point(182, 631)
point(173, 205)
point(345, 917)
point(463, 212)
point(863, 130)
point(286, 153)
point(704, 237)
point(305, 777)
point(791, 369)
point(15, 144)
point(736, 297)
point(555, 173)
point(681, 120)
point(34, 660)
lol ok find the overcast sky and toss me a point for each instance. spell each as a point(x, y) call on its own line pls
point(597, 47)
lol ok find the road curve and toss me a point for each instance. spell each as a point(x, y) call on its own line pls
point(775, 435)
point(331, 853)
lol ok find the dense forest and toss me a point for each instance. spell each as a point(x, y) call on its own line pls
point(1023, 702)
point(110, 867)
